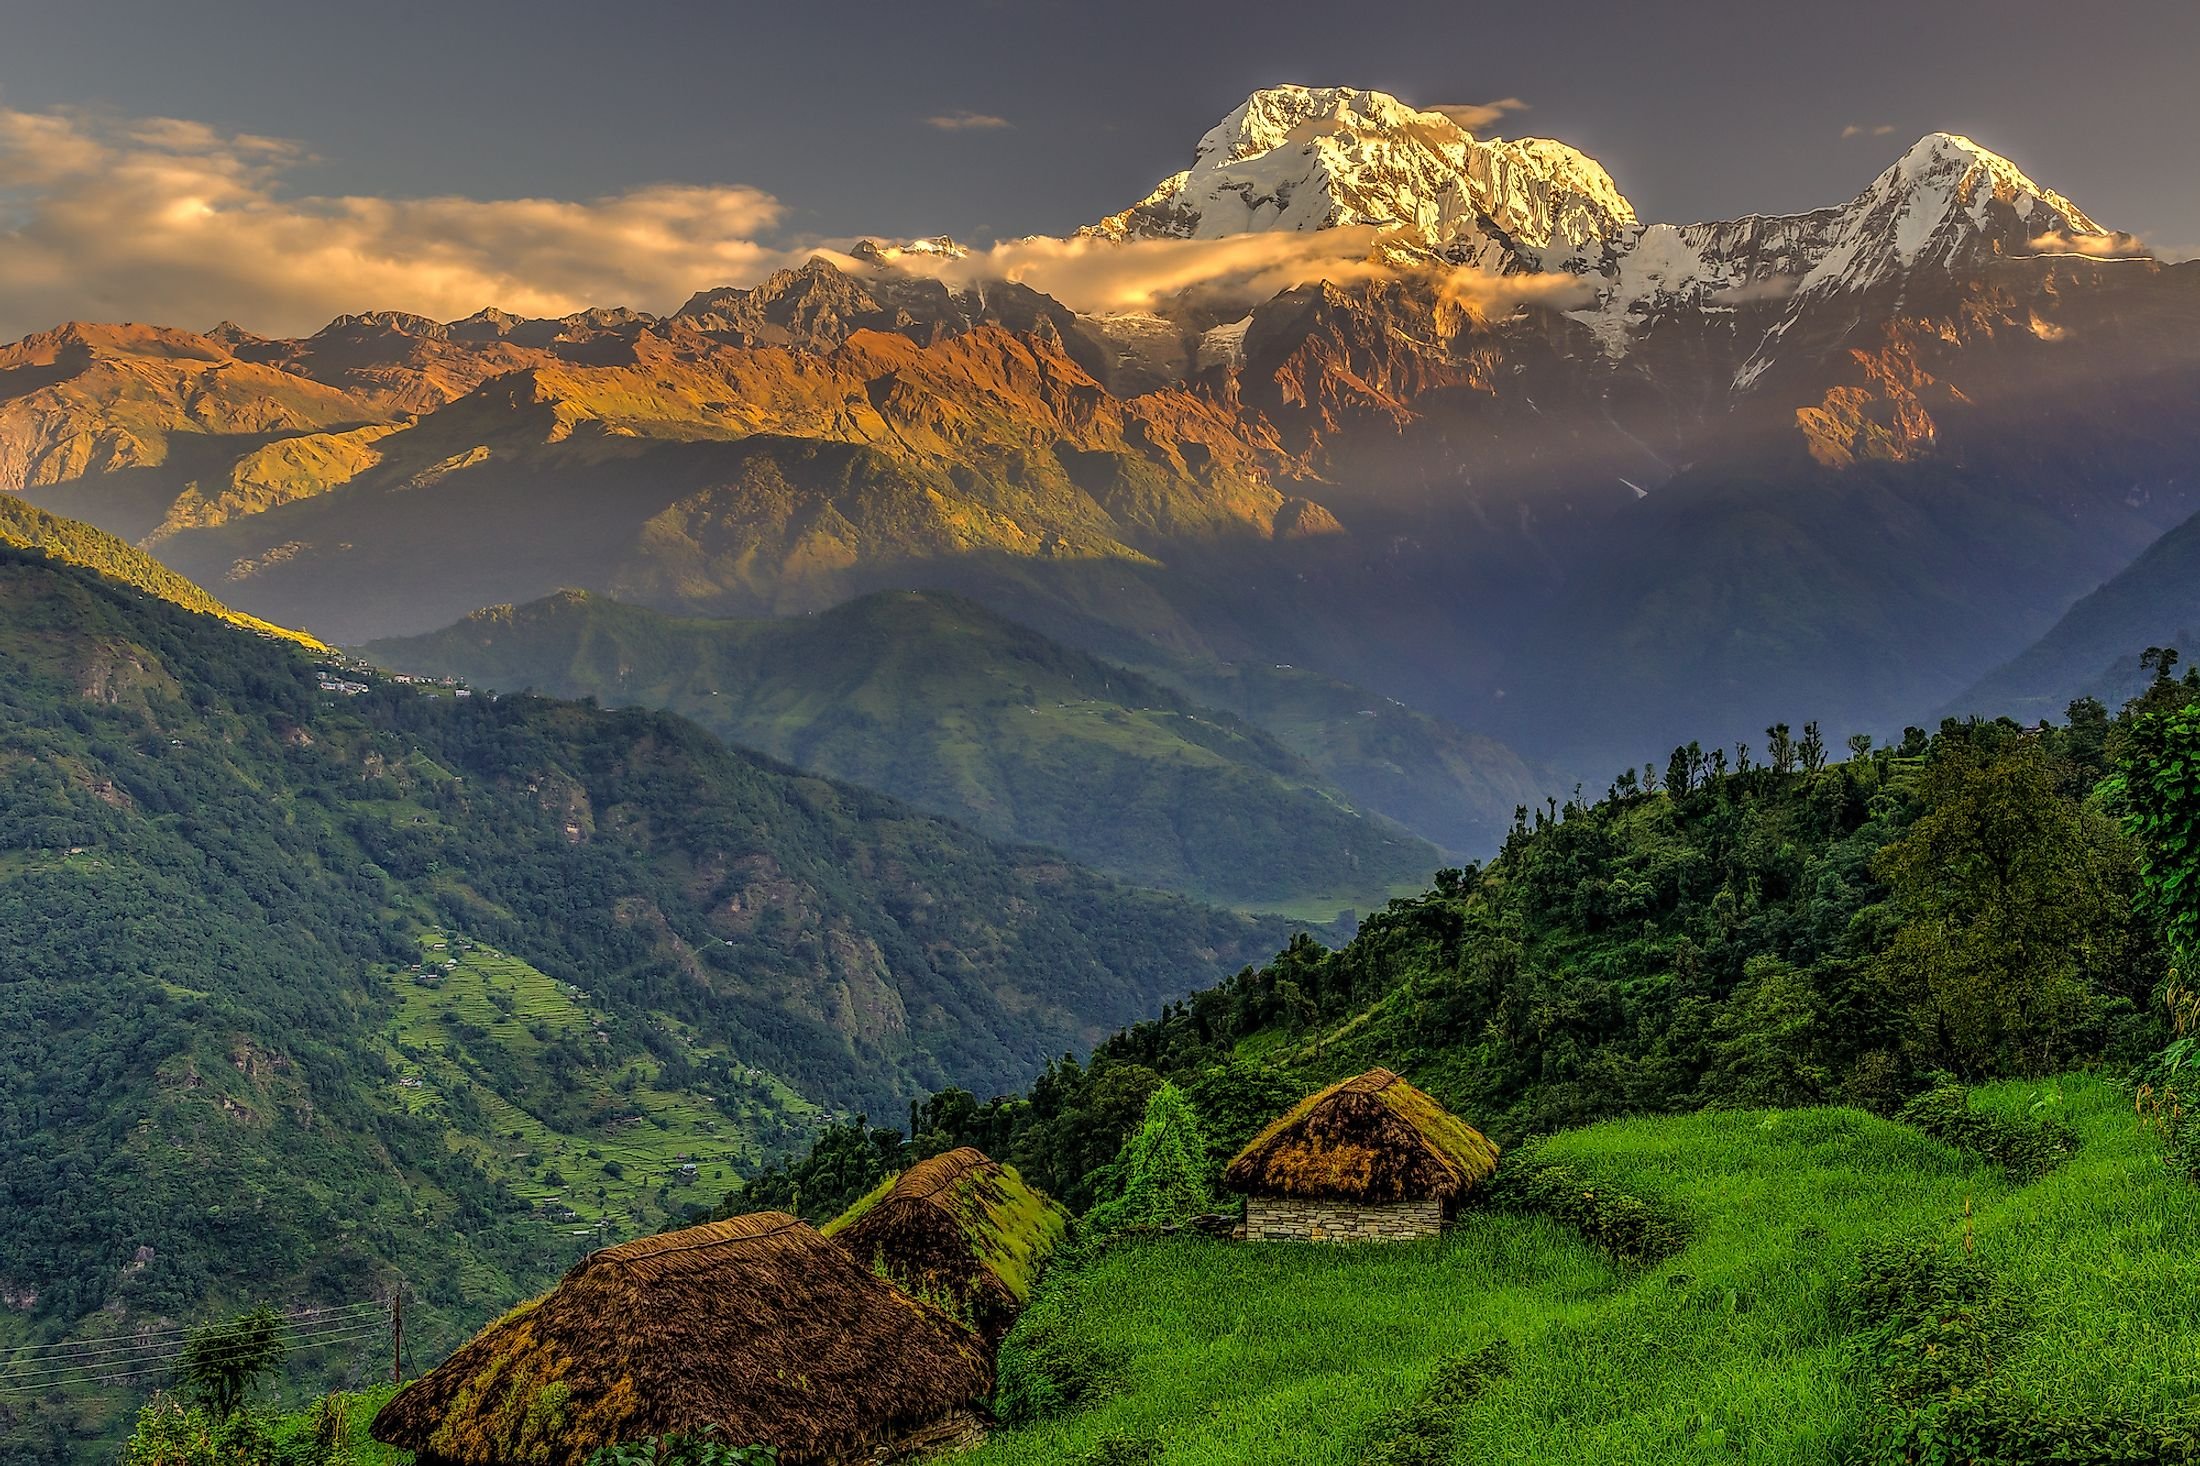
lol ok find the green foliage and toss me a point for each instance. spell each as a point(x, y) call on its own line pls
point(215, 879)
point(1425, 1432)
point(1048, 1366)
point(1161, 1176)
point(1738, 1347)
point(696, 1448)
point(1627, 1226)
point(2025, 1149)
point(1931, 1328)
point(2159, 783)
point(331, 1431)
point(2008, 898)
point(222, 1361)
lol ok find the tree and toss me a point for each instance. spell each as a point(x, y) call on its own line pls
point(1678, 773)
point(1780, 748)
point(1161, 1172)
point(2007, 895)
point(2159, 781)
point(222, 1361)
point(1765, 1041)
point(1812, 750)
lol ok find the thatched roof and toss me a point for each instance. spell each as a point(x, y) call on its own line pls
point(756, 1324)
point(1371, 1139)
point(959, 1230)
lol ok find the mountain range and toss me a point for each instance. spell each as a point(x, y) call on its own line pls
point(936, 700)
point(315, 974)
point(1421, 412)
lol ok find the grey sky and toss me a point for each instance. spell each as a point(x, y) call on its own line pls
point(1698, 110)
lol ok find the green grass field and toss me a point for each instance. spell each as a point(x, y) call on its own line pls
point(527, 1064)
point(1733, 1350)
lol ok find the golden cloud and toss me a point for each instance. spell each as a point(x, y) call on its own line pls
point(170, 220)
point(2114, 245)
point(1106, 277)
point(1475, 116)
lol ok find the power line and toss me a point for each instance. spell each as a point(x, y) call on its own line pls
point(131, 1368)
point(304, 1319)
point(111, 1376)
point(136, 1367)
point(302, 1329)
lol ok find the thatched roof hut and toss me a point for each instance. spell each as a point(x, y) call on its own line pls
point(960, 1230)
point(1369, 1142)
point(757, 1325)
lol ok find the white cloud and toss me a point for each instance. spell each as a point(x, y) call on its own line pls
point(2110, 246)
point(168, 220)
point(1475, 116)
point(968, 122)
point(1879, 129)
point(1099, 276)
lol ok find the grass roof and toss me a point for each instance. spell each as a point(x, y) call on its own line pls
point(756, 1324)
point(1374, 1138)
point(959, 1229)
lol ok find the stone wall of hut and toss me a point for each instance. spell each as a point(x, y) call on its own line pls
point(1283, 1219)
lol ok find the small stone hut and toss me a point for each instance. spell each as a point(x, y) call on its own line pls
point(1370, 1159)
point(757, 1325)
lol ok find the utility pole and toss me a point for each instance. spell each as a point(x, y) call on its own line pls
point(397, 1335)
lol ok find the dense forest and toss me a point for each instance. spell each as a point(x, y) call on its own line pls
point(1782, 924)
point(216, 865)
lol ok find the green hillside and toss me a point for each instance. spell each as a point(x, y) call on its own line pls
point(933, 699)
point(1743, 1210)
point(215, 880)
point(2094, 648)
point(1743, 1346)
point(26, 526)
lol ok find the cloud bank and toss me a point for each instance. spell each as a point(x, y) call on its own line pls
point(1102, 277)
point(1475, 116)
point(2111, 246)
point(169, 220)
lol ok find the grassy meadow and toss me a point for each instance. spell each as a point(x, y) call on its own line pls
point(1735, 1349)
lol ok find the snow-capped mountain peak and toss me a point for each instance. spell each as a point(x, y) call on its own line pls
point(1941, 202)
point(1300, 158)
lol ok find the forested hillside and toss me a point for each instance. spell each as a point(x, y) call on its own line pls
point(1766, 927)
point(936, 700)
point(26, 526)
point(235, 1062)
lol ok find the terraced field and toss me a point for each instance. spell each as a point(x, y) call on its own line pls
point(542, 1088)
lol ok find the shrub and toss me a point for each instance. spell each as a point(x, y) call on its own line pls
point(1424, 1432)
point(2025, 1149)
point(1625, 1225)
point(1930, 1329)
point(1047, 1368)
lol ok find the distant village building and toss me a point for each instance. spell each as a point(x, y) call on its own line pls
point(1371, 1159)
point(757, 1326)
